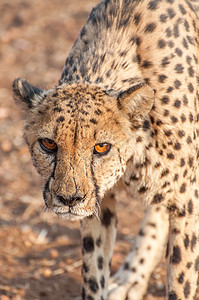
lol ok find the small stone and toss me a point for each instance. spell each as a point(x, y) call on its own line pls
point(47, 272)
point(54, 253)
point(27, 244)
point(6, 146)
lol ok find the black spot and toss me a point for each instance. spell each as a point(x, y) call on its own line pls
point(186, 25)
point(186, 241)
point(163, 18)
point(167, 250)
point(162, 78)
point(93, 285)
point(177, 83)
point(193, 242)
point(182, 212)
point(177, 146)
point(157, 165)
point(185, 44)
point(175, 177)
point(153, 5)
point(196, 194)
point(171, 44)
point(169, 32)
point(93, 121)
point(85, 268)
point(191, 71)
point(170, 156)
point(189, 140)
point(190, 206)
point(185, 173)
point(183, 118)
point(102, 281)
point(183, 188)
point(176, 31)
point(100, 262)
point(83, 293)
point(146, 125)
point(139, 139)
point(178, 52)
point(182, 162)
point(172, 296)
point(142, 190)
point(191, 162)
point(189, 264)
point(174, 119)
point(158, 198)
point(168, 133)
point(141, 232)
point(133, 177)
point(99, 242)
point(165, 100)
point(161, 44)
point(126, 266)
point(147, 64)
point(90, 298)
point(181, 278)
point(171, 13)
point(182, 9)
point(150, 27)
point(170, 89)
point(159, 122)
point(165, 61)
point(179, 69)
point(187, 289)
point(107, 215)
point(141, 261)
point(98, 112)
point(197, 264)
point(60, 119)
point(88, 244)
point(58, 109)
point(190, 87)
point(164, 173)
point(137, 18)
point(181, 133)
point(185, 100)
point(138, 43)
point(176, 257)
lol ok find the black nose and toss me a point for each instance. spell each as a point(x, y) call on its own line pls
point(69, 200)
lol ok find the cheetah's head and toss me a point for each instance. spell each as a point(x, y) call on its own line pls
point(80, 138)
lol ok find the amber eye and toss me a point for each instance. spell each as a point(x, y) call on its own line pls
point(102, 149)
point(48, 145)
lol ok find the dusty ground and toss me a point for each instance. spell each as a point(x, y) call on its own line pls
point(40, 256)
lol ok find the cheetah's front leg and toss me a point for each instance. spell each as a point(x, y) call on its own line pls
point(131, 281)
point(98, 236)
point(183, 252)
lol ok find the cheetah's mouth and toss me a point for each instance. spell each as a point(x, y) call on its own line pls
point(70, 213)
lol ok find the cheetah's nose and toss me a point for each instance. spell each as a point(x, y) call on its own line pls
point(69, 200)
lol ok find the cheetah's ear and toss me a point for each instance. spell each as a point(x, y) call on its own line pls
point(137, 101)
point(26, 95)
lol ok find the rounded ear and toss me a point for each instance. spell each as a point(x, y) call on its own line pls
point(26, 95)
point(137, 100)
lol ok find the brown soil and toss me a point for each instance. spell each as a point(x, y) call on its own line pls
point(40, 255)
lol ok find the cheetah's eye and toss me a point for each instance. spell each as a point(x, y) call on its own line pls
point(48, 145)
point(102, 149)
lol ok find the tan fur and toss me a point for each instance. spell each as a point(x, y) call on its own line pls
point(129, 82)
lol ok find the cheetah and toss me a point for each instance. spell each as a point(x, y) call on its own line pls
point(125, 114)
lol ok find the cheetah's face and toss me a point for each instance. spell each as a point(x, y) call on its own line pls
point(80, 139)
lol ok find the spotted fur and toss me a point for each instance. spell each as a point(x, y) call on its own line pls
point(130, 86)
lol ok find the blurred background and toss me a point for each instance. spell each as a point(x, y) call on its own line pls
point(40, 255)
